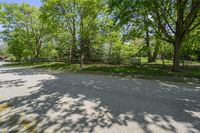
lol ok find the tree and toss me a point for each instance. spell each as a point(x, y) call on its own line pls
point(79, 18)
point(16, 45)
point(171, 20)
point(191, 47)
point(62, 14)
point(134, 20)
point(176, 23)
point(25, 22)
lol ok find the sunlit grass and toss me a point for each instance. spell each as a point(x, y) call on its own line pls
point(28, 126)
point(4, 106)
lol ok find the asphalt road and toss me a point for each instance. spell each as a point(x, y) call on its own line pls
point(42, 101)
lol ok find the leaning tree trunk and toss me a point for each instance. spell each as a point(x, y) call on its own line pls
point(155, 54)
point(154, 57)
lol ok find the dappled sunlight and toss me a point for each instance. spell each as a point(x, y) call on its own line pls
point(169, 85)
point(194, 113)
point(167, 124)
point(64, 102)
point(12, 83)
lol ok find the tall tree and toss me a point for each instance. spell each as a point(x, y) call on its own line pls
point(24, 19)
point(176, 19)
point(171, 20)
point(62, 14)
point(79, 18)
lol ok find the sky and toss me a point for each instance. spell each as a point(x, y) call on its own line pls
point(36, 3)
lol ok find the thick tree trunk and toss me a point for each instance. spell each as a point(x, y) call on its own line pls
point(155, 54)
point(176, 60)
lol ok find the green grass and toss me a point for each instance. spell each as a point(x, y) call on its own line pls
point(126, 70)
point(59, 66)
point(145, 69)
point(4, 106)
point(144, 60)
point(48, 65)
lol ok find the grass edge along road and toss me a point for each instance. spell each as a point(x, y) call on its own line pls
point(146, 70)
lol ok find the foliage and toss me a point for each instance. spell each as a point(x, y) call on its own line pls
point(170, 20)
point(112, 31)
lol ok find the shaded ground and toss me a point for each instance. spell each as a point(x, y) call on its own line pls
point(191, 71)
point(35, 100)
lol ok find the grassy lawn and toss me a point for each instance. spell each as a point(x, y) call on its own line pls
point(145, 69)
point(144, 60)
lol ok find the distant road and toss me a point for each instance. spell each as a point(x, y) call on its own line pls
point(70, 102)
point(3, 62)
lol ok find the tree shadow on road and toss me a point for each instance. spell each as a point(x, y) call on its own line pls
point(92, 103)
point(22, 71)
point(12, 83)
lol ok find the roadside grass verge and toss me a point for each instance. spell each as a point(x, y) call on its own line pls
point(149, 70)
point(4, 106)
point(145, 69)
point(48, 65)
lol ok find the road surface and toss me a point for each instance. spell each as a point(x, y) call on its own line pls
point(42, 101)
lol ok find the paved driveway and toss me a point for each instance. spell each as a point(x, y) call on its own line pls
point(41, 101)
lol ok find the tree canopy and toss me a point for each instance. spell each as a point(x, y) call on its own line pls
point(109, 31)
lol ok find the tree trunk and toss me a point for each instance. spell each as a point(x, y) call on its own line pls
point(147, 37)
point(147, 41)
point(19, 59)
point(176, 60)
point(163, 61)
point(36, 58)
point(73, 44)
point(110, 53)
point(155, 54)
point(70, 54)
point(154, 57)
point(81, 59)
point(88, 55)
